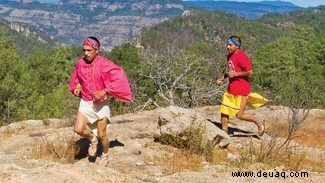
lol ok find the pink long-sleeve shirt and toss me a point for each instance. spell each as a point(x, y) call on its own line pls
point(100, 74)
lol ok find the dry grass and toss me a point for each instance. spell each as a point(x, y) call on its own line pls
point(270, 156)
point(193, 140)
point(182, 161)
point(176, 160)
point(193, 149)
point(63, 152)
point(311, 138)
point(277, 127)
point(311, 134)
point(296, 161)
point(219, 156)
point(313, 165)
point(7, 133)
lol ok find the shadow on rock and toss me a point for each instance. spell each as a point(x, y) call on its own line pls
point(235, 132)
point(115, 143)
point(82, 146)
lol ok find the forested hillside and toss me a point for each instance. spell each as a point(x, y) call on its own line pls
point(176, 63)
point(287, 52)
point(26, 39)
point(33, 77)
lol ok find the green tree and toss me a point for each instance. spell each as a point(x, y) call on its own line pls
point(10, 75)
point(290, 66)
point(292, 70)
point(63, 64)
point(47, 76)
point(127, 57)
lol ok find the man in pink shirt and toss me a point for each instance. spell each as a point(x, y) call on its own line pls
point(236, 97)
point(94, 80)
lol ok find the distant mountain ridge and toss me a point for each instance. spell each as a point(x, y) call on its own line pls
point(249, 10)
point(69, 21)
point(277, 3)
point(116, 21)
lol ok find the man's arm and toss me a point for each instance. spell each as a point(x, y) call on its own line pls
point(240, 74)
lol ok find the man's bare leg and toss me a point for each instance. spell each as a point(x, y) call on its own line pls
point(80, 129)
point(102, 135)
point(224, 122)
point(248, 117)
point(241, 113)
point(80, 126)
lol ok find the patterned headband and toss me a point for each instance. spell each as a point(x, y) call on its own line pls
point(234, 42)
point(91, 42)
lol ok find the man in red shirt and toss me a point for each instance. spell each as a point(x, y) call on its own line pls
point(235, 98)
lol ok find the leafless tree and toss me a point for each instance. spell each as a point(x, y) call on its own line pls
point(180, 78)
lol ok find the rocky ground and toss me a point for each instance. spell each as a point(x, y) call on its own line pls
point(135, 154)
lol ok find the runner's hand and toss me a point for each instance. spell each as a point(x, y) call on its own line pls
point(219, 82)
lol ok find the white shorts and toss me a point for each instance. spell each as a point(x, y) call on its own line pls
point(95, 112)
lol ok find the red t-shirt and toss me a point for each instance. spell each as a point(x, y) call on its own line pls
point(239, 62)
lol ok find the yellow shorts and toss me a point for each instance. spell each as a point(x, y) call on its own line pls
point(231, 103)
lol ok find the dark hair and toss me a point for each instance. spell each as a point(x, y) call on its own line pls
point(235, 38)
point(94, 38)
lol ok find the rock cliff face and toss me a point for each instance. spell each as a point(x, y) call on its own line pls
point(69, 21)
point(26, 31)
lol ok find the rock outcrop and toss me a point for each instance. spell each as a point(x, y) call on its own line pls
point(135, 155)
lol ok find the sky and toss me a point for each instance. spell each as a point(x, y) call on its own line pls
point(301, 3)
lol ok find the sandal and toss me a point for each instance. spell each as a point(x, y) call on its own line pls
point(104, 160)
point(92, 150)
point(261, 127)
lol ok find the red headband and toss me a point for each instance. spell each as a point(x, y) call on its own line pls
point(91, 42)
